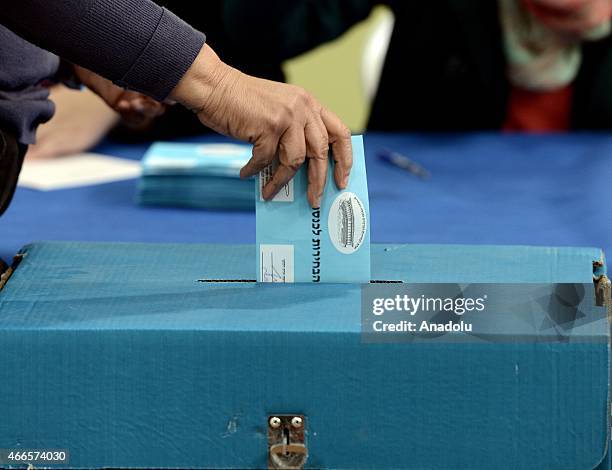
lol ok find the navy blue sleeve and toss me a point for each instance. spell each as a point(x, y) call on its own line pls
point(135, 43)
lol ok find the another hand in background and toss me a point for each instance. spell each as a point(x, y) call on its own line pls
point(83, 117)
point(281, 121)
point(81, 120)
point(137, 110)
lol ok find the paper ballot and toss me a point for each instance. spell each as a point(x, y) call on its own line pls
point(296, 243)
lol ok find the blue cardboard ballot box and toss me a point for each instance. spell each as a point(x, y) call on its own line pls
point(143, 356)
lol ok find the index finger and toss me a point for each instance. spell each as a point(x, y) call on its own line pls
point(342, 149)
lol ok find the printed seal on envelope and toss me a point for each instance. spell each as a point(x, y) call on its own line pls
point(347, 223)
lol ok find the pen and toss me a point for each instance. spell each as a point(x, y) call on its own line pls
point(401, 161)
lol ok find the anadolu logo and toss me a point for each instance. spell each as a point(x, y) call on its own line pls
point(347, 223)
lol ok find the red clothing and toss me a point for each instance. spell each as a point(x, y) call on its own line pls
point(548, 111)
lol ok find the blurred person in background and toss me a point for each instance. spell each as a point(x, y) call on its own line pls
point(457, 65)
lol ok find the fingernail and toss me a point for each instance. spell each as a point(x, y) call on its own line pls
point(345, 182)
point(266, 193)
point(314, 199)
point(245, 174)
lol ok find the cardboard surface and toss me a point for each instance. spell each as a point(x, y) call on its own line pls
point(118, 353)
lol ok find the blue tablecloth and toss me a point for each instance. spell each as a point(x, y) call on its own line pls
point(484, 189)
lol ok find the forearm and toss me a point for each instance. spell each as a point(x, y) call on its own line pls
point(134, 43)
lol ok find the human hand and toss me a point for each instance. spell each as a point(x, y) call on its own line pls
point(136, 110)
point(280, 120)
point(80, 121)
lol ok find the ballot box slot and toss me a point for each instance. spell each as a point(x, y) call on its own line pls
point(7, 271)
point(374, 281)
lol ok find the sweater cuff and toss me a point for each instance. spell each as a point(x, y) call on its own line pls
point(165, 59)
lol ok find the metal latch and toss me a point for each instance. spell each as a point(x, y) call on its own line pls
point(603, 288)
point(603, 294)
point(7, 271)
point(287, 441)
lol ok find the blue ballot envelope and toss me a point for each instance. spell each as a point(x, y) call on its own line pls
point(331, 243)
point(162, 356)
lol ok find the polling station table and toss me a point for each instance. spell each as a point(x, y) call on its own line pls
point(152, 356)
point(547, 190)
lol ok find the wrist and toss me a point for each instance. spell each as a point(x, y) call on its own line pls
point(197, 85)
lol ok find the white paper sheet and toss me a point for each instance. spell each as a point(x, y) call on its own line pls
point(85, 169)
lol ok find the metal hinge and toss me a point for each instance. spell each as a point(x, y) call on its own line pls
point(287, 442)
point(603, 293)
point(7, 271)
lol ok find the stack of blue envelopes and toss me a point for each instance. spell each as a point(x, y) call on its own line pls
point(196, 175)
